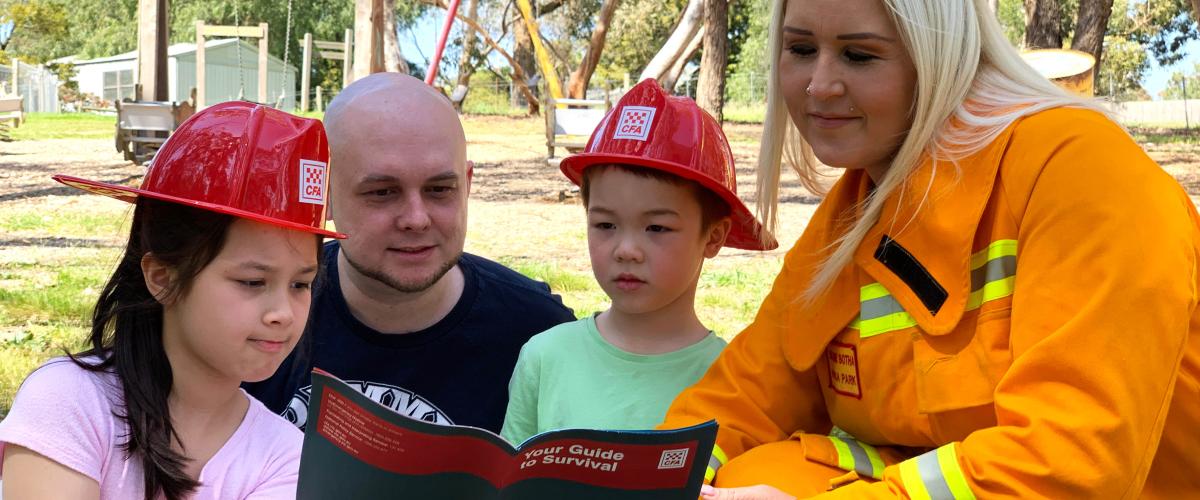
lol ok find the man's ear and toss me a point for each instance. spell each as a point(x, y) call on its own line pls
point(158, 277)
point(470, 174)
point(717, 232)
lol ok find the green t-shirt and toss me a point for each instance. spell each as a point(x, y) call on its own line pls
point(570, 377)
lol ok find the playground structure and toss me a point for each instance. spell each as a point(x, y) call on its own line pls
point(334, 51)
point(144, 126)
point(145, 123)
point(12, 106)
point(1070, 69)
point(569, 123)
point(543, 56)
point(260, 32)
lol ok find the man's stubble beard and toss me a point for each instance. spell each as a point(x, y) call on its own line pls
point(397, 285)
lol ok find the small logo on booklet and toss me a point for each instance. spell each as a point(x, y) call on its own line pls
point(634, 123)
point(673, 459)
point(312, 182)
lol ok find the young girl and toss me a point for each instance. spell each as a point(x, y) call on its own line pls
point(212, 290)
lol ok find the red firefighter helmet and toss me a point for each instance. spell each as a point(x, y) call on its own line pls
point(241, 159)
point(648, 128)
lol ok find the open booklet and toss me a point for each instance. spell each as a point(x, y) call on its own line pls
point(356, 448)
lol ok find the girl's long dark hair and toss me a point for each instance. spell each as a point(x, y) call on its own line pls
point(126, 335)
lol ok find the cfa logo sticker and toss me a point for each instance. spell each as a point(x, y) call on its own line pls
point(312, 182)
point(634, 123)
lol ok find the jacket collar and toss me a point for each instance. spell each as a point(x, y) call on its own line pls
point(932, 222)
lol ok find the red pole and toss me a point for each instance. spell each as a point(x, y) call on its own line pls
point(437, 55)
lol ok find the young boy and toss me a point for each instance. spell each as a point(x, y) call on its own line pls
point(657, 181)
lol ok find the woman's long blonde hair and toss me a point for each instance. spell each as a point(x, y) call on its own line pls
point(968, 75)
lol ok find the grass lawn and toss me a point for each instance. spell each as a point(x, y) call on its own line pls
point(46, 294)
point(65, 126)
point(48, 286)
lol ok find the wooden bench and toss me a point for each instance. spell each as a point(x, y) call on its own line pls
point(142, 126)
point(12, 108)
point(569, 127)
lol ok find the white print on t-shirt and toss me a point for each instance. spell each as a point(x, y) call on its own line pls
point(398, 399)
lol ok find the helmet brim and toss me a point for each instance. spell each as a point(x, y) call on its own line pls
point(130, 195)
point(746, 228)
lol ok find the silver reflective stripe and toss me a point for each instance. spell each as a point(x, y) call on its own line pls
point(862, 462)
point(931, 475)
point(714, 463)
point(879, 307)
point(995, 269)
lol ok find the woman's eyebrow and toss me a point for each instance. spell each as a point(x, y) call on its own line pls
point(847, 36)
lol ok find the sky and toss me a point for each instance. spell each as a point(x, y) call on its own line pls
point(1157, 78)
point(422, 39)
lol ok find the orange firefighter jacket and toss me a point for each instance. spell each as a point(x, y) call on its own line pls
point(1030, 332)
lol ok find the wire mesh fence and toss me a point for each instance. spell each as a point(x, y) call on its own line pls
point(37, 86)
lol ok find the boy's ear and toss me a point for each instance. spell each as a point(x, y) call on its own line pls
point(158, 277)
point(717, 232)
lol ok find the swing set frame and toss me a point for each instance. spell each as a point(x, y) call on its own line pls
point(204, 30)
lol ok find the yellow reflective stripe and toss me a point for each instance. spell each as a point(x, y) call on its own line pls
point(998, 248)
point(845, 459)
point(936, 475)
point(720, 455)
point(911, 477)
point(884, 324)
point(991, 291)
point(872, 291)
point(857, 456)
point(876, 460)
point(955, 479)
point(715, 461)
point(900, 320)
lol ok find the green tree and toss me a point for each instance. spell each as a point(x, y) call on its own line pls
point(1181, 83)
point(639, 29)
point(1124, 66)
point(1011, 14)
point(1137, 30)
point(37, 25)
point(747, 83)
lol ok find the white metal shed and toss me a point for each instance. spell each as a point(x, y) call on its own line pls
point(113, 78)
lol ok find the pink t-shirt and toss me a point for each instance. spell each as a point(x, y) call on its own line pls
point(66, 414)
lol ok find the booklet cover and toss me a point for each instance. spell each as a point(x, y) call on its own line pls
point(355, 448)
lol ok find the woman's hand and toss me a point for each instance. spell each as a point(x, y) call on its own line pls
point(759, 492)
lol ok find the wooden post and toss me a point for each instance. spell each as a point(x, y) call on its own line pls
point(368, 33)
point(348, 61)
point(320, 101)
point(262, 66)
point(259, 32)
point(16, 90)
point(304, 79)
point(152, 50)
point(200, 91)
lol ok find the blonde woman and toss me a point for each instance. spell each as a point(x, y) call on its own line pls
point(996, 299)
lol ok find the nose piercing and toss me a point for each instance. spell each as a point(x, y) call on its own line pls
point(851, 109)
point(808, 90)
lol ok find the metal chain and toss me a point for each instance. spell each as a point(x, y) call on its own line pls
point(237, 22)
point(287, 45)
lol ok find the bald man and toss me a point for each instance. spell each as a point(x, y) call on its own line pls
point(402, 313)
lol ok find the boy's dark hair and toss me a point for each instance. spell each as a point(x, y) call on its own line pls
point(127, 332)
point(712, 207)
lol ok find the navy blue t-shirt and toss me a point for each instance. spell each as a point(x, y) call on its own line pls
point(454, 372)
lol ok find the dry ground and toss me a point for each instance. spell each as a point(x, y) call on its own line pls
point(57, 244)
point(522, 208)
